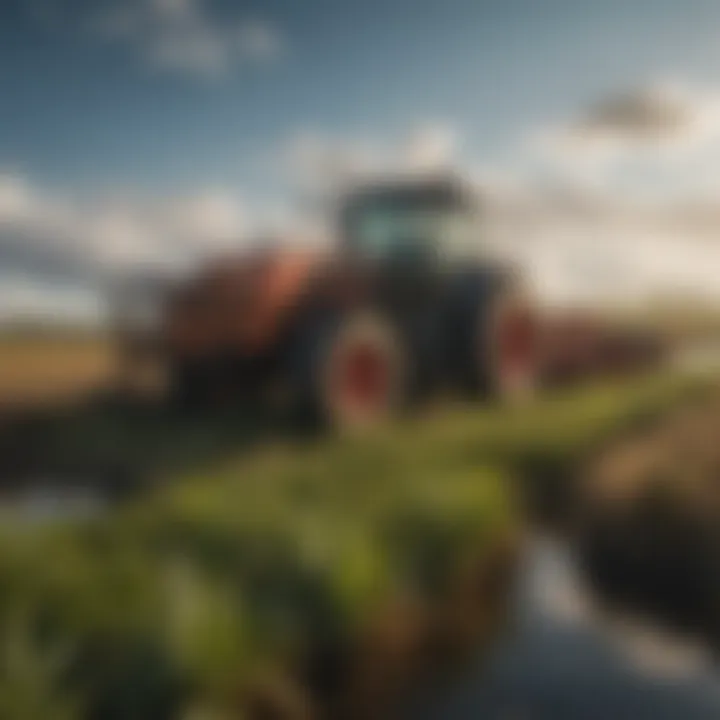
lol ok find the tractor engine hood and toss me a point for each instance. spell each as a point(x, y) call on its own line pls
point(237, 304)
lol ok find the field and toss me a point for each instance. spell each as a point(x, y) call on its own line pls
point(37, 369)
point(294, 575)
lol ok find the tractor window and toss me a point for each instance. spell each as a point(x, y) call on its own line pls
point(390, 231)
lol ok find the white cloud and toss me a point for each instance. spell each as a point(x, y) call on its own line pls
point(669, 130)
point(658, 111)
point(431, 147)
point(575, 248)
point(664, 114)
point(29, 299)
point(577, 237)
point(16, 198)
point(186, 36)
point(56, 251)
point(580, 235)
point(50, 234)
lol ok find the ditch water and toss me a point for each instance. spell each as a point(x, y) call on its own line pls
point(566, 658)
point(48, 503)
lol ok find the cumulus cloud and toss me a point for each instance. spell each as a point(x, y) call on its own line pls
point(26, 298)
point(58, 252)
point(16, 197)
point(576, 238)
point(616, 260)
point(48, 234)
point(431, 147)
point(656, 112)
point(187, 36)
point(664, 124)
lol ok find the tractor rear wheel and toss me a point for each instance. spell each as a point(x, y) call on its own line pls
point(505, 349)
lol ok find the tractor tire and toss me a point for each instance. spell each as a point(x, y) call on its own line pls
point(347, 372)
point(502, 348)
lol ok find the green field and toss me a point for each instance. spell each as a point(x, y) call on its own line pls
point(229, 586)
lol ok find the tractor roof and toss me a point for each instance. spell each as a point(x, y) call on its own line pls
point(437, 191)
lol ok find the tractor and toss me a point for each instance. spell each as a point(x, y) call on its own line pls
point(406, 304)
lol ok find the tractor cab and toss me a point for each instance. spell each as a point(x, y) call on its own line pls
point(411, 223)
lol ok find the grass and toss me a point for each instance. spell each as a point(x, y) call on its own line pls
point(275, 567)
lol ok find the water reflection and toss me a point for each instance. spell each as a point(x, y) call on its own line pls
point(568, 660)
point(43, 504)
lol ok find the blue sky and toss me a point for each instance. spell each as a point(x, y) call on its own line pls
point(106, 104)
point(82, 110)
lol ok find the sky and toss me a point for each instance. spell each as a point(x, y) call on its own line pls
point(136, 132)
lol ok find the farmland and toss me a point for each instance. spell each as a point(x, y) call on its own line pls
point(38, 368)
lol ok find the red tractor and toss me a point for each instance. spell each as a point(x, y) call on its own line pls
point(406, 304)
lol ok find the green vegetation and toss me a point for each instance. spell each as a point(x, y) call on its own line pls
point(185, 603)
